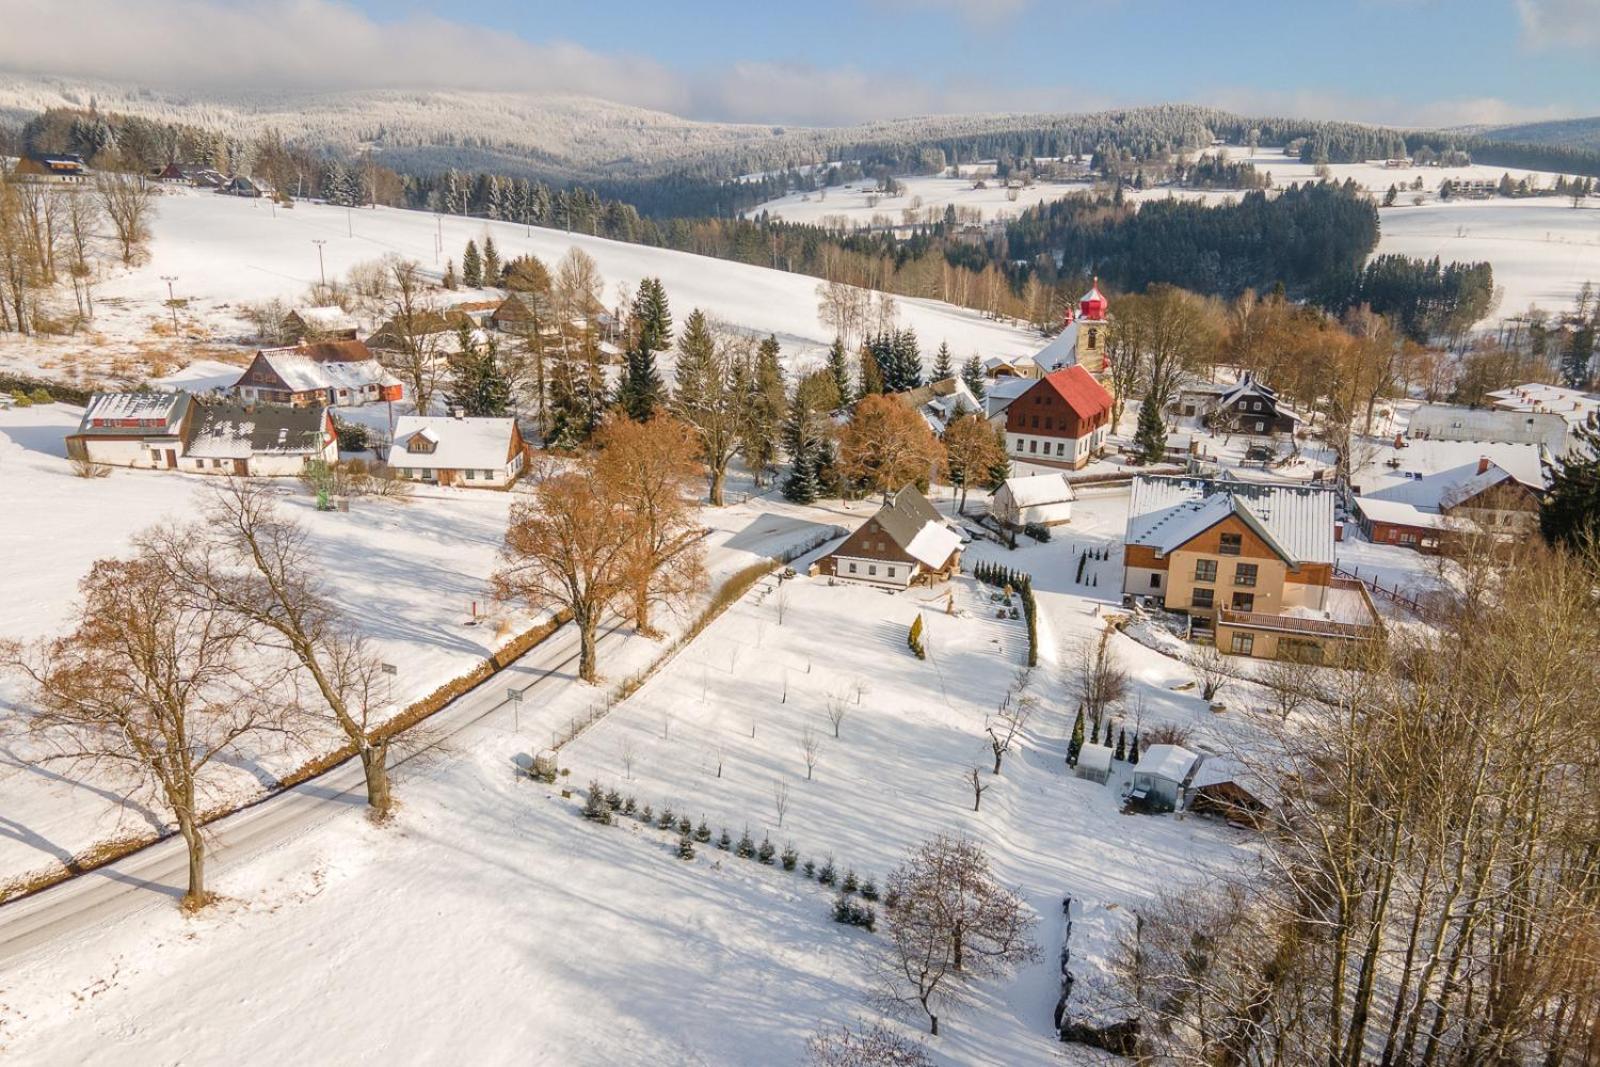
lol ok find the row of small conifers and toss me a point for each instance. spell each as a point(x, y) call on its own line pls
point(1020, 584)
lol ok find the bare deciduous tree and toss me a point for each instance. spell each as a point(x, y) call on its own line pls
point(874, 1046)
point(1098, 682)
point(1211, 670)
point(952, 921)
point(838, 708)
point(780, 798)
point(974, 778)
point(412, 336)
point(157, 681)
point(129, 204)
point(810, 749)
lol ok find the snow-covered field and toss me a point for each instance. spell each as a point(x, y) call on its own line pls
point(859, 204)
point(492, 922)
point(224, 252)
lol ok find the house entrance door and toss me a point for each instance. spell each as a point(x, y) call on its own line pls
point(241, 467)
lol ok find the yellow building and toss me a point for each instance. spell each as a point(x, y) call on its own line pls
point(1250, 563)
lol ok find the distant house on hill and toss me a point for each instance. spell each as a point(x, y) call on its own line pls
point(51, 168)
point(1063, 420)
point(906, 543)
point(143, 429)
point(332, 323)
point(259, 440)
point(250, 188)
point(1574, 405)
point(477, 453)
point(941, 403)
point(396, 333)
point(319, 374)
point(1042, 499)
point(196, 174)
point(516, 314)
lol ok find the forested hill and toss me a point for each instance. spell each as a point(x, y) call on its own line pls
point(1562, 133)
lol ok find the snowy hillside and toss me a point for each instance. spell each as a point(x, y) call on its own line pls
point(226, 251)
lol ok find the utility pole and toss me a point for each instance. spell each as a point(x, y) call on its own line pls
point(349, 222)
point(172, 302)
point(321, 270)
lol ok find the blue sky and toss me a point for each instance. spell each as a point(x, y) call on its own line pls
point(836, 61)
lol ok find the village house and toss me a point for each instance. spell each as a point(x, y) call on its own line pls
point(517, 314)
point(1451, 422)
point(143, 429)
point(1250, 563)
point(941, 403)
point(258, 440)
point(478, 453)
point(1062, 421)
point(196, 174)
point(1223, 788)
point(51, 168)
point(319, 374)
point(427, 327)
point(1500, 499)
point(1574, 405)
point(1252, 408)
point(906, 543)
point(250, 188)
point(1033, 500)
point(332, 323)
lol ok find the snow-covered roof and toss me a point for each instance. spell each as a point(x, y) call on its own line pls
point(1574, 405)
point(459, 444)
point(1038, 489)
point(1399, 513)
point(1000, 392)
point(105, 409)
point(1170, 762)
point(302, 373)
point(1248, 385)
point(1061, 351)
point(1442, 489)
point(1165, 512)
point(238, 431)
point(1094, 757)
point(933, 544)
point(1449, 422)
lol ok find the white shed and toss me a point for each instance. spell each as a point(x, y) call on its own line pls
point(1045, 499)
point(1094, 762)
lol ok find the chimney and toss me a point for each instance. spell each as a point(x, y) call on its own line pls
point(1483, 464)
point(458, 413)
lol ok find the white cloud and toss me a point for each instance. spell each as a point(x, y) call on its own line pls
point(1560, 23)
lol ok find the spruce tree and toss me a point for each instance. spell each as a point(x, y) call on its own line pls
point(1133, 751)
point(1571, 512)
point(472, 267)
point(1076, 744)
point(685, 847)
point(839, 369)
point(1150, 435)
point(1122, 743)
point(765, 407)
point(640, 391)
point(871, 374)
point(943, 364)
point(972, 374)
point(492, 267)
point(479, 383)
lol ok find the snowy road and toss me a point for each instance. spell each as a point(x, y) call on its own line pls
point(155, 876)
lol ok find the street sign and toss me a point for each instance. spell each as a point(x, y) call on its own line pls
point(514, 695)
point(389, 668)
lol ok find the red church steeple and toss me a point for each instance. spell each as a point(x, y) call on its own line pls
point(1093, 304)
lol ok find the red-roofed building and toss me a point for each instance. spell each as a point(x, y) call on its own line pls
point(1062, 421)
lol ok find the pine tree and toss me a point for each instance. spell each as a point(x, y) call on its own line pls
point(972, 374)
point(1076, 744)
point(595, 808)
point(492, 267)
point(1571, 512)
point(839, 369)
point(472, 267)
point(479, 384)
point(1122, 743)
point(1133, 751)
point(702, 833)
point(685, 847)
point(766, 851)
point(764, 411)
point(640, 392)
point(1151, 433)
point(943, 364)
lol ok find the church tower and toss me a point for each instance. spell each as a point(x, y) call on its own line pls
point(1092, 326)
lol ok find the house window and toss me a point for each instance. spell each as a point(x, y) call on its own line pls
point(1155, 581)
point(1232, 544)
point(472, 475)
point(872, 568)
point(1203, 598)
point(1244, 602)
point(1047, 422)
point(1244, 644)
point(1245, 574)
point(1061, 448)
point(1255, 405)
point(1408, 538)
point(488, 476)
point(1035, 422)
point(852, 568)
point(1033, 446)
point(891, 572)
point(1261, 427)
point(1205, 570)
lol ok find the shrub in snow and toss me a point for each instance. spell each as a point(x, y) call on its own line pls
point(869, 889)
point(1037, 530)
point(628, 806)
point(646, 815)
point(702, 833)
point(878, 1046)
point(614, 800)
point(790, 858)
point(667, 819)
point(685, 847)
point(725, 842)
point(891, 898)
point(810, 869)
point(595, 808)
point(766, 852)
point(747, 847)
point(827, 875)
point(41, 396)
point(850, 884)
point(685, 826)
point(851, 912)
